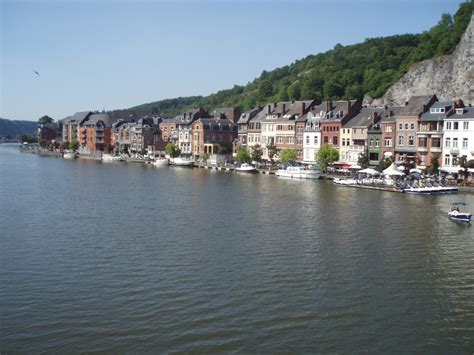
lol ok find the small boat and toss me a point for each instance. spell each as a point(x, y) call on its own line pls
point(69, 154)
point(297, 172)
point(181, 162)
point(246, 168)
point(109, 158)
point(457, 215)
point(161, 162)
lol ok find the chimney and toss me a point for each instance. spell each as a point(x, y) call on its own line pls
point(269, 109)
point(458, 103)
point(275, 105)
point(283, 108)
point(328, 105)
point(373, 118)
point(303, 108)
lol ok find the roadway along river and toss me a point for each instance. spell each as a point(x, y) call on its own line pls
point(123, 257)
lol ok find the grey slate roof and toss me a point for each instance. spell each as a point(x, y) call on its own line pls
point(390, 114)
point(212, 124)
point(338, 106)
point(77, 118)
point(467, 114)
point(417, 104)
point(248, 115)
point(93, 119)
point(428, 116)
point(364, 117)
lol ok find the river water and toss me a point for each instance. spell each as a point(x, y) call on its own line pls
point(123, 257)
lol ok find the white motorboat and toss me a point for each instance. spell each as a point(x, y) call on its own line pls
point(69, 154)
point(297, 172)
point(431, 190)
point(457, 215)
point(161, 162)
point(109, 158)
point(181, 162)
point(246, 168)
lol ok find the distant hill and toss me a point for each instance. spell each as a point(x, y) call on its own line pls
point(13, 129)
point(367, 68)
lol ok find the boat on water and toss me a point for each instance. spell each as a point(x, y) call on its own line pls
point(456, 215)
point(432, 190)
point(109, 158)
point(161, 162)
point(246, 168)
point(182, 162)
point(297, 172)
point(67, 154)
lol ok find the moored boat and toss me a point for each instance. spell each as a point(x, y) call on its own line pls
point(246, 168)
point(67, 154)
point(161, 162)
point(298, 173)
point(109, 158)
point(182, 162)
point(456, 215)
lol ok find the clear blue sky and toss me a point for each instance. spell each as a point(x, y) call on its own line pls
point(104, 54)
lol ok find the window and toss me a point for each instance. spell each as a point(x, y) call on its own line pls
point(326, 140)
point(377, 144)
point(279, 140)
point(423, 159)
point(406, 126)
point(447, 143)
point(422, 142)
point(315, 140)
point(307, 139)
point(412, 126)
point(435, 142)
point(464, 143)
point(334, 141)
point(388, 128)
point(279, 127)
point(465, 126)
point(290, 127)
point(448, 125)
point(291, 140)
point(299, 141)
point(400, 140)
point(387, 142)
point(447, 160)
point(400, 126)
point(411, 140)
point(374, 156)
point(455, 142)
point(371, 143)
point(455, 126)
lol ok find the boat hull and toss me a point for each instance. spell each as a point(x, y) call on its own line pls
point(297, 175)
point(461, 217)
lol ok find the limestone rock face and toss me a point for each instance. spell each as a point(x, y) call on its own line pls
point(448, 77)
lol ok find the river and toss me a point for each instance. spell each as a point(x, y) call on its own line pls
point(130, 258)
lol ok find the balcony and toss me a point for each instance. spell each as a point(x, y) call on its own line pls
point(436, 149)
point(358, 148)
point(454, 151)
point(422, 149)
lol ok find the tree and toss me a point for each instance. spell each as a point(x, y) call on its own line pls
point(206, 156)
point(45, 119)
point(73, 145)
point(272, 150)
point(434, 166)
point(257, 152)
point(384, 163)
point(242, 155)
point(326, 155)
point(172, 150)
point(288, 155)
point(363, 161)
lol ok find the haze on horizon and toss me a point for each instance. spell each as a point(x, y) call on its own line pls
point(95, 55)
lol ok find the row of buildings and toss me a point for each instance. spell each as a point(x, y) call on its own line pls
point(423, 129)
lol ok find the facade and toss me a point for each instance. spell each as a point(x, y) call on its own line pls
point(243, 124)
point(213, 136)
point(458, 137)
point(95, 132)
point(338, 113)
point(430, 133)
point(167, 126)
point(407, 122)
point(141, 135)
point(254, 131)
point(312, 132)
point(184, 127)
point(231, 113)
point(354, 135)
point(71, 126)
point(388, 131)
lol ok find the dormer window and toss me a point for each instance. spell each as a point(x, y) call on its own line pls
point(459, 111)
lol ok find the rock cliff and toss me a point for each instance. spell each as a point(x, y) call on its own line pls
point(449, 77)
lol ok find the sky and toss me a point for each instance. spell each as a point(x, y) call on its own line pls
point(106, 54)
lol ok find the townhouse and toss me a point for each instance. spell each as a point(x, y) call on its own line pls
point(254, 131)
point(243, 124)
point(212, 136)
point(430, 133)
point(95, 132)
point(388, 132)
point(458, 137)
point(184, 128)
point(407, 122)
point(71, 126)
point(312, 132)
point(338, 113)
point(354, 135)
point(167, 128)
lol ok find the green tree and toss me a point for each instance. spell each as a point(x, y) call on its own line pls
point(45, 119)
point(172, 150)
point(326, 156)
point(434, 166)
point(206, 157)
point(272, 150)
point(242, 155)
point(363, 161)
point(256, 152)
point(73, 145)
point(384, 163)
point(288, 155)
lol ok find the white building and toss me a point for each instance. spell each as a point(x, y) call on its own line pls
point(458, 138)
point(312, 136)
